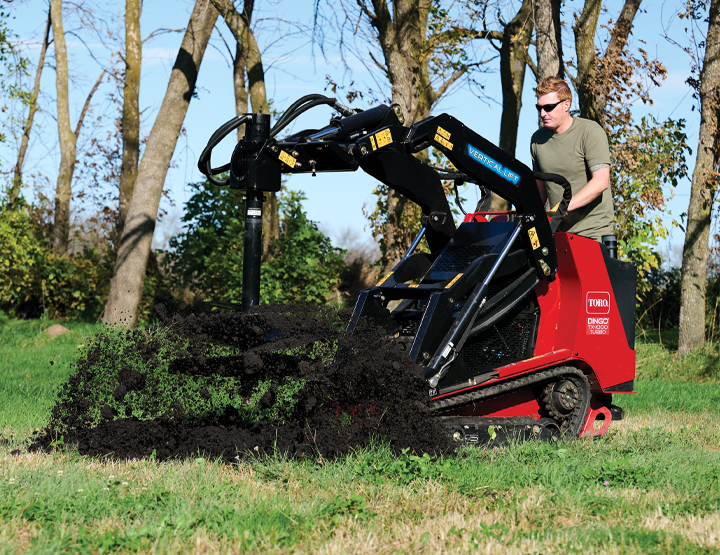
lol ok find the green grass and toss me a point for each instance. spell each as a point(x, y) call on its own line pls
point(32, 366)
point(651, 485)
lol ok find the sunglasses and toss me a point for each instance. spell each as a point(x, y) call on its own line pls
point(548, 107)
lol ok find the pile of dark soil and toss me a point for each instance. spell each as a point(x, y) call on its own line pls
point(235, 385)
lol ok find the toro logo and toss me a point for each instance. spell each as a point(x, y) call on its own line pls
point(597, 302)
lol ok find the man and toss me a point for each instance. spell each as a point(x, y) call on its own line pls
point(577, 149)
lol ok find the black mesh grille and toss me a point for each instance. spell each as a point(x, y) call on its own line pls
point(457, 258)
point(503, 344)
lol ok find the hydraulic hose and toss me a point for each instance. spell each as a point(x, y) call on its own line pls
point(303, 105)
point(219, 135)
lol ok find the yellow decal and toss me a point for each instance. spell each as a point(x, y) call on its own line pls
point(449, 285)
point(383, 280)
point(443, 133)
point(414, 285)
point(383, 138)
point(287, 159)
point(447, 144)
point(534, 238)
point(372, 142)
point(554, 208)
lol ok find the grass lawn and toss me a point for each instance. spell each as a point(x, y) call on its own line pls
point(652, 485)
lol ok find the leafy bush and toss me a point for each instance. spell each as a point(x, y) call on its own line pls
point(647, 158)
point(307, 267)
point(207, 258)
point(35, 281)
point(19, 250)
point(659, 307)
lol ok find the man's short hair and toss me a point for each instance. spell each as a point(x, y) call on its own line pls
point(554, 84)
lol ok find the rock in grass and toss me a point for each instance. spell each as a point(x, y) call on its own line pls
point(56, 329)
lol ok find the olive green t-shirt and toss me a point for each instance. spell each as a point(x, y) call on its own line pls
point(572, 154)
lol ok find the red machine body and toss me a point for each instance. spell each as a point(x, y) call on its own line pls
point(580, 326)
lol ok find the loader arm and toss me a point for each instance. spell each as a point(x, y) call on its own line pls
point(385, 153)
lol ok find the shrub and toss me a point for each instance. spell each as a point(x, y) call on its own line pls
point(307, 267)
point(19, 250)
point(35, 281)
point(207, 258)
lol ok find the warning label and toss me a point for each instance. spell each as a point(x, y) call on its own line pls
point(598, 326)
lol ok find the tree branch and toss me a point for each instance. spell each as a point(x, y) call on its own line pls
point(235, 22)
point(442, 89)
point(162, 31)
point(366, 10)
point(382, 66)
point(621, 31)
point(17, 179)
point(87, 103)
point(462, 33)
point(531, 64)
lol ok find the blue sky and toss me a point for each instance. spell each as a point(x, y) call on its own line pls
point(294, 68)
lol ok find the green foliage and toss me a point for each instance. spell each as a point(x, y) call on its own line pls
point(659, 307)
point(19, 251)
point(35, 281)
point(646, 158)
point(284, 395)
point(354, 506)
point(619, 473)
point(207, 258)
point(38, 281)
point(404, 469)
point(307, 267)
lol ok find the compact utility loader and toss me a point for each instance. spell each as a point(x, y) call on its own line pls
point(523, 331)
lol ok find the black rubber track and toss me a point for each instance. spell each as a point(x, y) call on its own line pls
point(572, 424)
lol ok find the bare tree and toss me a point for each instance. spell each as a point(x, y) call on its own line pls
point(547, 39)
point(61, 227)
point(595, 76)
point(68, 137)
point(516, 37)
point(423, 53)
point(24, 141)
point(131, 111)
point(241, 95)
point(704, 186)
point(130, 267)
point(248, 60)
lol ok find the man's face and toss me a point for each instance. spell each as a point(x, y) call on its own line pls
point(556, 117)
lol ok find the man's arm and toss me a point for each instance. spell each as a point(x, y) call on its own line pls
point(600, 181)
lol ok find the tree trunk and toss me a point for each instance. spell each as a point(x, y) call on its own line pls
point(704, 187)
point(131, 111)
point(402, 35)
point(591, 85)
point(61, 227)
point(585, 81)
point(24, 141)
point(241, 95)
point(547, 39)
point(513, 55)
point(251, 63)
point(127, 283)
